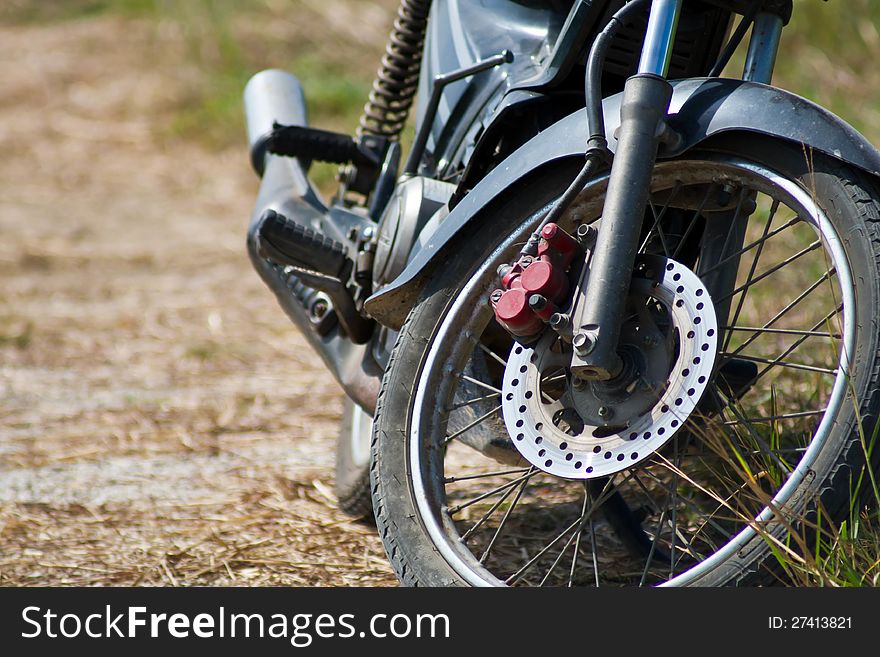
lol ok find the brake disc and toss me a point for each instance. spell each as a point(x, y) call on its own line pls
point(580, 430)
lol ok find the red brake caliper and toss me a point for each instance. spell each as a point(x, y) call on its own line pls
point(534, 287)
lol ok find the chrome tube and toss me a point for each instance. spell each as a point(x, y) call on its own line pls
point(273, 96)
point(659, 38)
point(763, 47)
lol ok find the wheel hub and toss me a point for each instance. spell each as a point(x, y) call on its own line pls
point(583, 430)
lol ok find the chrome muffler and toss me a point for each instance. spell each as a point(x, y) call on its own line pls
point(271, 98)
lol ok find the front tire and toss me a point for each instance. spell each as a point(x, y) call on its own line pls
point(791, 460)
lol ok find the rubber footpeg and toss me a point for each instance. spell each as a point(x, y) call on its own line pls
point(325, 146)
point(286, 242)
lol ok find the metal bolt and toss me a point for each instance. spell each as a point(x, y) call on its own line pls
point(585, 233)
point(496, 296)
point(537, 302)
point(584, 343)
point(526, 260)
point(578, 383)
point(726, 194)
point(605, 412)
point(558, 321)
point(319, 309)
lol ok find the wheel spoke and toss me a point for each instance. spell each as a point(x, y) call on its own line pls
point(761, 443)
point(503, 523)
point(751, 273)
point(603, 497)
point(450, 480)
point(531, 562)
point(657, 219)
point(781, 363)
point(696, 508)
point(577, 543)
point(693, 222)
point(593, 554)
point(732, 229)
point(458, 507)
point(476, 382)
point(798, 343)
point(485, 516)
point(492, 354)
point(563, 551)
point(753, 329)
point(773, 418)
point(652, 550)
point(477, 400)
point(745, 249)
point(788, 308)
point(595, 557)
point(673, 489)
point(470, 426)
point(660, 461)
point(809, 249)
point(554, 379)
point(792, 348)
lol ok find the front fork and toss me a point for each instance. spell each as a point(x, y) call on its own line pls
point(603, 288)
point(596, 316)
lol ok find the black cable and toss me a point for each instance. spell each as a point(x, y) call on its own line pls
point(597, 144)
point(595, 67)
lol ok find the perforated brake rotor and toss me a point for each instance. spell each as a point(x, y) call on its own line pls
point(600, 448)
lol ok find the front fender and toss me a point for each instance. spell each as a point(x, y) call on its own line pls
point(700, 108)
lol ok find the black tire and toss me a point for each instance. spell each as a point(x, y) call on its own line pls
point(851, 203)
point(353, 462)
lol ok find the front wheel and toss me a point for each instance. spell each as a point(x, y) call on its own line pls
point(738, 425)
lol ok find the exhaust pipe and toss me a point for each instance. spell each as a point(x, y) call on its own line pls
point(275, 97)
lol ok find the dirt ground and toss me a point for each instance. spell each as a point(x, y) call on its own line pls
point(161, 422)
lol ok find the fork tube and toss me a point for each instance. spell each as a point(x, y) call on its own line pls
point(602, 294)
point(657, 49)
point(763, 47)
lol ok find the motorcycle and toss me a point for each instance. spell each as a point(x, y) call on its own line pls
point(613, 319)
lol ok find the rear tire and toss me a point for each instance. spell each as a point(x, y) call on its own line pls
point(353, 462)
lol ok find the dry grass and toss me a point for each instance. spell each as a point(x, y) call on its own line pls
point(161, 422)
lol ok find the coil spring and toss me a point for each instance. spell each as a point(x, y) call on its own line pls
point(397, 79)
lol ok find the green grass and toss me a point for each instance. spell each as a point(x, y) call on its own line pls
point(48, 11)
point(829, 54)
point(228, 41)
point(226, 59)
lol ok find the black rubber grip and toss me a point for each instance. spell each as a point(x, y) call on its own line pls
point(294, 244)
